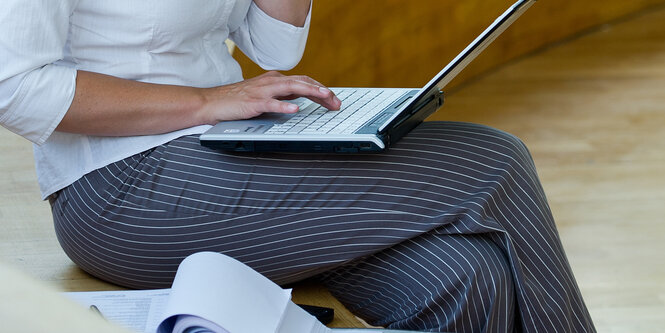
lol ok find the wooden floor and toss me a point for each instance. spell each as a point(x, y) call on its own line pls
point(592, 111)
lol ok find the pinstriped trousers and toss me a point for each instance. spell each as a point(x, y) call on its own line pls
point(449, 230)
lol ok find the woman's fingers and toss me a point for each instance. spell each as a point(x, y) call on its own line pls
point(273, 105)
point(264, 93)
point(290, 87)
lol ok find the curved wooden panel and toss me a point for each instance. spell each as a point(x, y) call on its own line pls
point(403, 43)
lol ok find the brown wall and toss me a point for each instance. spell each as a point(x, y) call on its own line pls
point(404, 42)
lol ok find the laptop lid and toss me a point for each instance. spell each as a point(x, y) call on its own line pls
point(435, 86)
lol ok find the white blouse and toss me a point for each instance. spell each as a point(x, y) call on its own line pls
point(44, 42)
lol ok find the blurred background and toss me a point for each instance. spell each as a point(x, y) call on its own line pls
point(398, 43)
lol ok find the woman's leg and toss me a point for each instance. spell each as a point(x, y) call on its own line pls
point(292, 216)
point(434, 282)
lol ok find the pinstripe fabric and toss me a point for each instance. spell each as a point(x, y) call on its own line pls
point(448, 231)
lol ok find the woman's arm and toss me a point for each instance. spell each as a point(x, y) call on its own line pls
point(290, 11)
point(110, 106)
point(37, 96)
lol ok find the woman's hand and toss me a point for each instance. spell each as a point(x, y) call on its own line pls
point(264, 93)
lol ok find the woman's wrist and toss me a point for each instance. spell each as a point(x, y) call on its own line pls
point(202, 103)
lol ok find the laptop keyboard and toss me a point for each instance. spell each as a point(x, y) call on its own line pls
point(358, 106)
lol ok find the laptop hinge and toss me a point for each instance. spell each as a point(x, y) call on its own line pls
point(409, 112)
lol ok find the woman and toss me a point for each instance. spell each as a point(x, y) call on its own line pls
point(448, 231)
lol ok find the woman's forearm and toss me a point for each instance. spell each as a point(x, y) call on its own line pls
point(109, 106)
point(290, 11)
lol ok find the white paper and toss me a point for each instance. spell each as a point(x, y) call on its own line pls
point(212, 292)
point(227, 292)
point(136, 310)
point(295, 319)
point(191, 324)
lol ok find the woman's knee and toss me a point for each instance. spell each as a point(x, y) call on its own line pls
point(435, 282)
point(487, 301)
point(493, 277)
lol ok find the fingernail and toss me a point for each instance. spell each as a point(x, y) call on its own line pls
point(324, 89)
point(292, 108)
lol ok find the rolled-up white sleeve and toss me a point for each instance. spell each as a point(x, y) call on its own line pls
point(35, 93)
point(270, 43)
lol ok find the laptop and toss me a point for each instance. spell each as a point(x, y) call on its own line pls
point(370, 119)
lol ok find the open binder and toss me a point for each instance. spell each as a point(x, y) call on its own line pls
point(211, 293)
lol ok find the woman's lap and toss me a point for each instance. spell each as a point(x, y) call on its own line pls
point(293, 216)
